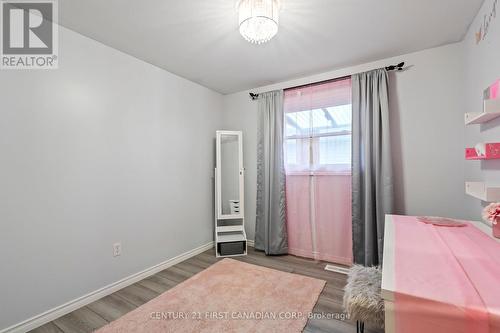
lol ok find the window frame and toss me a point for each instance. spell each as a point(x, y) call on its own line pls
point(313, 143)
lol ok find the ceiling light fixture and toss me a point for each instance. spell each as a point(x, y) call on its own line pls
point(258, 19)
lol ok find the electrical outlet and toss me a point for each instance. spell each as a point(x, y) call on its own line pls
point(117, 249)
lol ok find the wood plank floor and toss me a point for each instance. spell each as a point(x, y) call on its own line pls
point(97, 314)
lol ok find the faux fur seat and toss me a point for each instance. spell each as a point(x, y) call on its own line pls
point(362, 299)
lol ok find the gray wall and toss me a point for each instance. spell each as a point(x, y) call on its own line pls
point(482, 69)
point(107, 148)
point(427, 131)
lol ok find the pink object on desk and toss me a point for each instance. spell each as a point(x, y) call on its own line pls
point(441, 221)
point(446, 279)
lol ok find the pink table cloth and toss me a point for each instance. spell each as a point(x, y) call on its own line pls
point(447, 279)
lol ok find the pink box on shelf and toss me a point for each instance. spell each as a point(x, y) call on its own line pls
point(492, 151)
point(493, 91)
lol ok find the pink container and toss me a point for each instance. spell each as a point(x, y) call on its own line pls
point(495, 90)
point(492, 152)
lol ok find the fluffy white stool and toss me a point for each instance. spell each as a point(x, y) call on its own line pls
point(362, 299)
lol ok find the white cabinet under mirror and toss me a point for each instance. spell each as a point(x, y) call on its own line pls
point(230, 237)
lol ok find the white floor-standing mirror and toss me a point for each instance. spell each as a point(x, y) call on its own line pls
point(230, 237)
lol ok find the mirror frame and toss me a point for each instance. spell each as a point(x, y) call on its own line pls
point(218, 176)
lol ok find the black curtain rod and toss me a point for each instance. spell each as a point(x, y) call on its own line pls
point(398, 67)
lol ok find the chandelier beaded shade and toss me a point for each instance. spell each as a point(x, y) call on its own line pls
point(258, 19)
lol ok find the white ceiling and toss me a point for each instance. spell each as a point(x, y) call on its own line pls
point(199, 39)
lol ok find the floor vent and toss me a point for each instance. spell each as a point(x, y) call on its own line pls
point(337, 269)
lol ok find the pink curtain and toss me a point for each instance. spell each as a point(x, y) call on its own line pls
point(332, 204)
point(328, 217)
point(318, 96)
point(318, 181)
point(298, 214)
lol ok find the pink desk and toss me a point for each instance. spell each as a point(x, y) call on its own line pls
point(440, 279)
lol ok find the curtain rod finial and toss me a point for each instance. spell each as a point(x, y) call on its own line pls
point(398, 67)
point(254, 96)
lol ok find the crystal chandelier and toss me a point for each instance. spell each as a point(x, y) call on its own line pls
point(258, 19)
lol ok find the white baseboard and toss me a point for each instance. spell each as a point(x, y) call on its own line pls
point(250, 242)
point(75, 304)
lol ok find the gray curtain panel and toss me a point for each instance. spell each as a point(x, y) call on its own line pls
point(270, 224)
point(372, 185)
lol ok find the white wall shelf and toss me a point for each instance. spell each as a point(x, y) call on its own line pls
point(231, 237)
point(231, 228)
point(491, 111)
point(483, 191)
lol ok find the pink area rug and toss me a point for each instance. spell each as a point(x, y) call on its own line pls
point(229, 296)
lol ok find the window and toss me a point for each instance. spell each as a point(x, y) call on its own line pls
point(318, 128)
